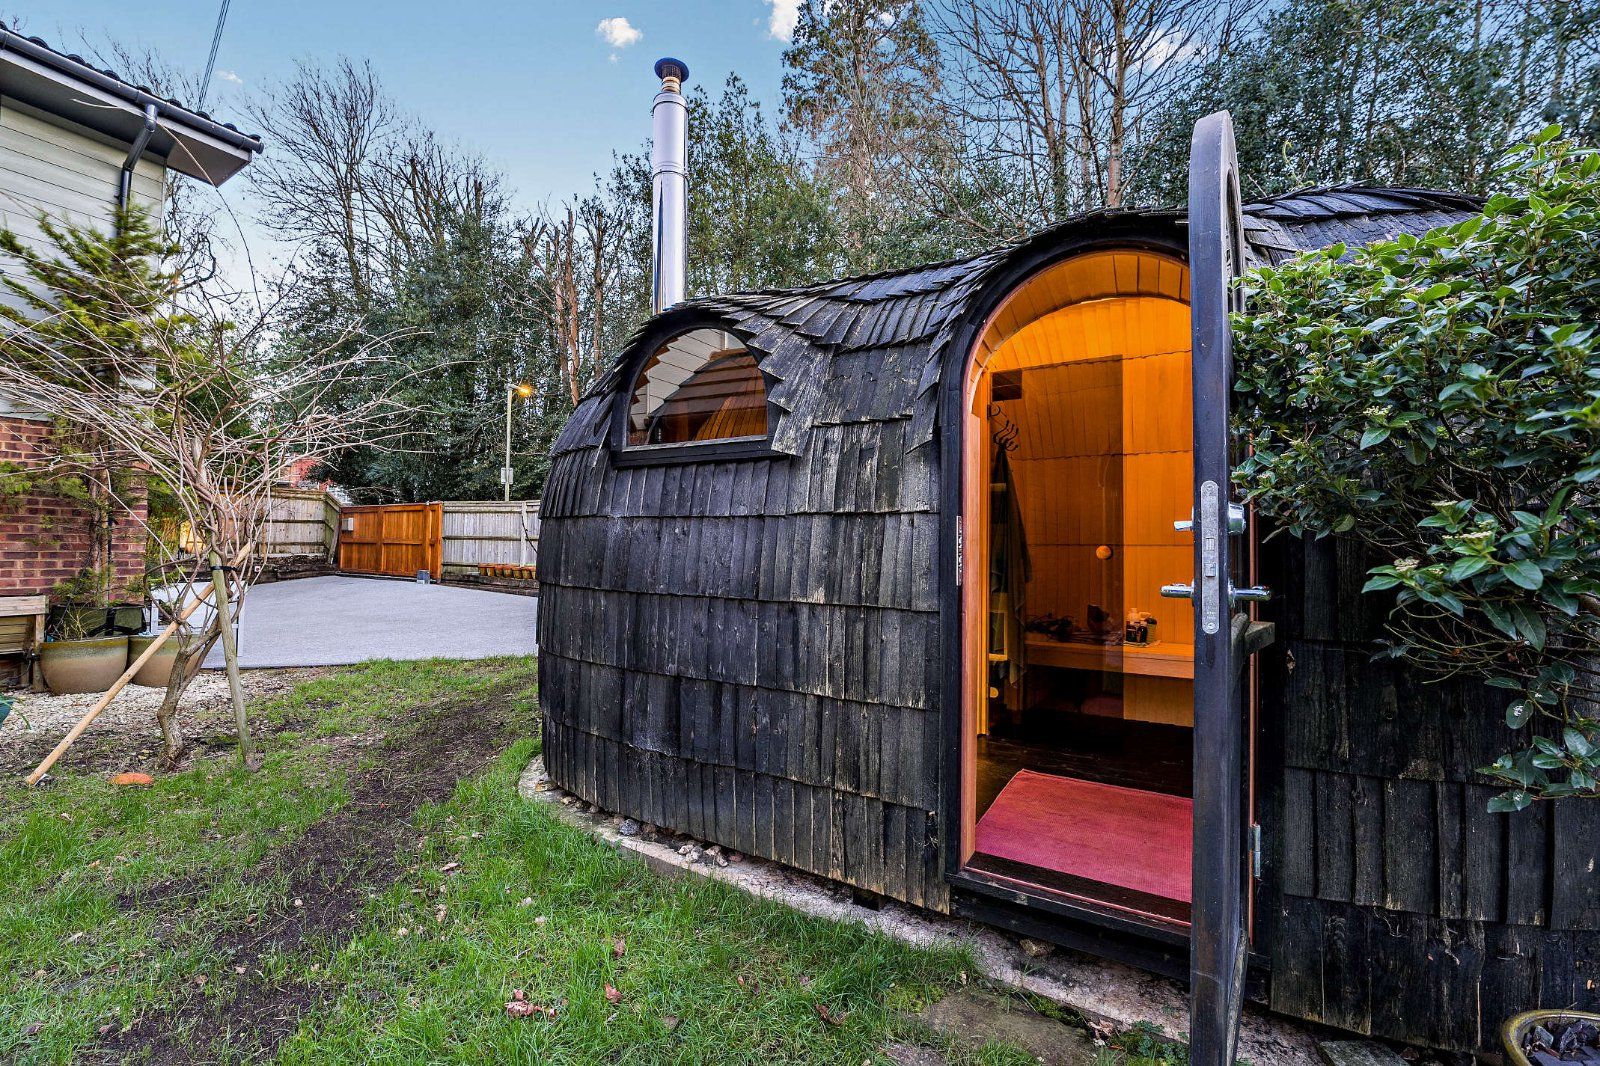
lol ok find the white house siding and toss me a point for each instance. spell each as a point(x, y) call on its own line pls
point(49, 166)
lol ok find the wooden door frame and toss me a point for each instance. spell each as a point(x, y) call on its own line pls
point(1146, 232)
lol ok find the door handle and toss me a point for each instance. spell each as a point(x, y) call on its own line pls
point(1235, 520)
point(1253, 594)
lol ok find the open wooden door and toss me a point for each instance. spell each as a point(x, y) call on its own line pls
point(1224, 634)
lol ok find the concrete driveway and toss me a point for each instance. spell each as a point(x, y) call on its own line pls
point(329, 621)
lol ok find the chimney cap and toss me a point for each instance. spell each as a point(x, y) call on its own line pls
point(667, 67)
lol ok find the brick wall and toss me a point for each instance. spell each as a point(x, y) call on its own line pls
point(45, 539)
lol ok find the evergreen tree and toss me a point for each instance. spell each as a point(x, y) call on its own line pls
point(860, 84)
point(1415, 92)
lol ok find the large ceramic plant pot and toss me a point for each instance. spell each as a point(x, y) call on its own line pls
point(157, 670)
point(83, 665)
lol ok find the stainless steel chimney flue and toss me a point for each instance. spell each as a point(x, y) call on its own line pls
point(669, 150)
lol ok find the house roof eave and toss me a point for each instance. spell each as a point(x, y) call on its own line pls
point(192, 143)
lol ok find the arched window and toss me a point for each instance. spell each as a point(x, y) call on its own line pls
point(699, 386)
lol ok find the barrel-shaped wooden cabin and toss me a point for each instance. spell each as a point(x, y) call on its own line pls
point(866, 578)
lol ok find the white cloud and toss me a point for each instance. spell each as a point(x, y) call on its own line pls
point(1168, 45)
point(618, 32)
point(230, 77)
point(783, 18)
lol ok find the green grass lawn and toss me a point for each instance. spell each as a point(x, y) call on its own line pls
point(130, 906)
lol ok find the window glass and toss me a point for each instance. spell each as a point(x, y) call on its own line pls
point(700, 386)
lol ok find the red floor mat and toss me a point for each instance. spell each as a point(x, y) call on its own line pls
point(1117, 836)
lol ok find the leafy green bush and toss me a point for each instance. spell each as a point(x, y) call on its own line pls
point(1437, 398)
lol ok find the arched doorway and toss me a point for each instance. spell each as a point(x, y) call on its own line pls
point(1077, 709)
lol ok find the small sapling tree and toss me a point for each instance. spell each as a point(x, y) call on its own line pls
point(192, 407)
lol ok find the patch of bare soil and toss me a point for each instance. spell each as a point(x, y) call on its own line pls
point(331, 871)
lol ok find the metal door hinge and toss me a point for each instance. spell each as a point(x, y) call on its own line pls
point(1255, 851)
point(960, 555)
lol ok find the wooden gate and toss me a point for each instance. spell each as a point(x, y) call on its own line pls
point(398, 538)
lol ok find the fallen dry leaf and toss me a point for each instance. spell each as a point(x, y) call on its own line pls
point(828, 1016)
point(613, 996)
point(670, 1021)
point(447, 867)
point(519, 1007)
point(619, 947)
point(33, 1030)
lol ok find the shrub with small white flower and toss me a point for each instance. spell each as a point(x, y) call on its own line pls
point(1438, 399)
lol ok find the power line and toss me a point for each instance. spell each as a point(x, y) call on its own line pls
point(216, 43)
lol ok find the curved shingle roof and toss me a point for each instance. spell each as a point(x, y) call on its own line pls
point(893, 326)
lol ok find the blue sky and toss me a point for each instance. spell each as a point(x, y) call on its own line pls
point(536, 87)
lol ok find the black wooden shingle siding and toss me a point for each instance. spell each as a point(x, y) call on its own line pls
point(1394, 902)
point(747, 651)
point(750, 652)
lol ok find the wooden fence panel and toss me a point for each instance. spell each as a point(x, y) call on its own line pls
point(301, 522)
point(483, 532)
point(401, 539)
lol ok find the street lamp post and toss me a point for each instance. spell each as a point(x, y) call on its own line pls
point(524, 391)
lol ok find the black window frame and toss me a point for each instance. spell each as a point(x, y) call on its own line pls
point(666, 329)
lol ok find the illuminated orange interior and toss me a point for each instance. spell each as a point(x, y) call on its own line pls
point(1080, 383)
point(699, 386)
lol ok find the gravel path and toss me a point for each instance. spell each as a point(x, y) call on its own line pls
point(40, 712)
point(125, 735)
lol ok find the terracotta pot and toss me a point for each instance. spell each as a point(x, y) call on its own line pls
point(158, 670)
point(1512, 1032)
point(83, 665)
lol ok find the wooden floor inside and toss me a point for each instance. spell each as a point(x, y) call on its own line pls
point(1114, 751)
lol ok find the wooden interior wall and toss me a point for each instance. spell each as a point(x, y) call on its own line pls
point(975, 515)
point(1102, 453)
